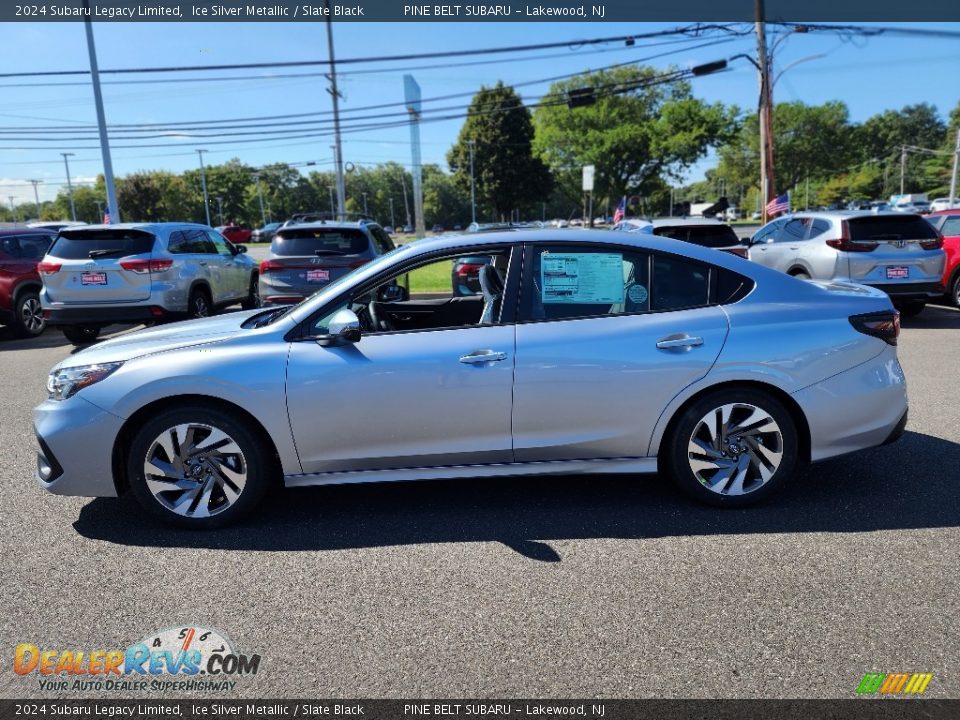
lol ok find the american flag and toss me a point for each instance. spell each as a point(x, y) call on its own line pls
point(779, 205)
point(106, 216)
point(620, 211)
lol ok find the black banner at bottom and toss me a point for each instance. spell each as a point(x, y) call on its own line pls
point(861, 709)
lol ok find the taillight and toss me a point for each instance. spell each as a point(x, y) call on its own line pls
point(738, 251)
point(468, 269)
point(48, 268)
point(935, 244)
point(884, 325)
point(142, 267)
point(357, 263)
point(845, 244)
point(270, 266)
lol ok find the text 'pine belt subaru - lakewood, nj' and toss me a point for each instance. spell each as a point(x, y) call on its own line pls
point(584, 352)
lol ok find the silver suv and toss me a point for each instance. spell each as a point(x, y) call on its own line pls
point(307, 257)
point(898, 253)
point(98, 275)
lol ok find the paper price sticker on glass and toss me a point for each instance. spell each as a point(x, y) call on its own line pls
point(581, 277)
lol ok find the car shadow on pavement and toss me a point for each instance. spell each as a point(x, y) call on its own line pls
point(910, 484)
point(935, 317)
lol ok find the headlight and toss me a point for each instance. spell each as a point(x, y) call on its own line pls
point(67, 382)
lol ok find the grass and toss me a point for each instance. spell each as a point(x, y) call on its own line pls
point(432, 278)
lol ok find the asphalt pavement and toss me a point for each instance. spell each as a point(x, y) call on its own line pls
point(555, 587)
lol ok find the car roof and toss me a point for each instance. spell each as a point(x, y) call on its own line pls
point(25, 231)
point(670, 221)
point(948, 211)
point(329, 224)
point(150, 227)
point(846, 214)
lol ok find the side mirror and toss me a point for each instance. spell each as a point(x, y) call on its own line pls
point(241, 249)
point(344, 328)
point(392, 294)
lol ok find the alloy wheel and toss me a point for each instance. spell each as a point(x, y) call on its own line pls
point(31, 316)
point(735, 449)
point(195, 470)
point(200, 307)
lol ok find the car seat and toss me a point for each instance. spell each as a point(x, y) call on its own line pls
point(491, 286)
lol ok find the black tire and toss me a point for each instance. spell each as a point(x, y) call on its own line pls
point(679, 464)
point(253, 460)
point(199, 305)
point(28, 317)
point(81, 334)
point(252, 301)
point(911, 309)
point(955, 290)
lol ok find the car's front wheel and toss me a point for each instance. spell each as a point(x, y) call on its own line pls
point(955, 290)
point(199, 304)
point(252, 301)
point(197, 467)
point(733, 447)
point(81, 334)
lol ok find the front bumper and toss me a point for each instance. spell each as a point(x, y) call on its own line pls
point(859, 408)
point(76, 447)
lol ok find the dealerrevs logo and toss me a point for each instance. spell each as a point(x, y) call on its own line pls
point(197, 658)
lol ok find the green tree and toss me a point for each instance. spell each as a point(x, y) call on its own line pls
point(638, 135)
point(507, 175)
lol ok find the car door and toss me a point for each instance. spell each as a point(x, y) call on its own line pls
point(606, 337)
point(429, 397)
point(762, 242)
point(234, 273)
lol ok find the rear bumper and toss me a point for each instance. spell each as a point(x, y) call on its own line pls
point(906, 291)
point(104, 316)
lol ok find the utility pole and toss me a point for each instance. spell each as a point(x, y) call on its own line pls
point(473, 189)
point(112, 206)
point(903, 166)
point(953, 175)
point(99, 211)
point(765, 111)
point(335, 94)
point(393, 222)
point(263, 215)
point(220, 208)
point(36, 195)
point(333, 207)
point(406, 205)
point(203, 184)
point(365, 211)
point(13, 209)
point(66, 164)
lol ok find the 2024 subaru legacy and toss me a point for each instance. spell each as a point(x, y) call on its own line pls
point(585, 352)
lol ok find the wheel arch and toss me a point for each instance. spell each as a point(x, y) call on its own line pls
point(791, 405)
point(797, 269)
point(19, 289)
point(121, 444)
point(201, 284)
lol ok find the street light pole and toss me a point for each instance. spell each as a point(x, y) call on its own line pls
point(365, 211)
point(220, 208)
point(36, 195)
point(334, 93)
point(473, 191)
point(263, 215)
point(112, 206)
point(953, 175)
point(393, 222)
point(66, 164)
point(333, 209)
point(903, 166)
point(203, 183)
point(99, 211)
point(13, 210)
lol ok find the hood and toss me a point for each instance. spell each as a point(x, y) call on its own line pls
point(161, 339)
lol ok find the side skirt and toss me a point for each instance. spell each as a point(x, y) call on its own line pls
point(451, 472)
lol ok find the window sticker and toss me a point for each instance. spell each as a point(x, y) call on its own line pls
point(637, 294)
point(581, 277)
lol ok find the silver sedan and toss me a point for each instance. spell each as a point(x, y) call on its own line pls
point(585, 352)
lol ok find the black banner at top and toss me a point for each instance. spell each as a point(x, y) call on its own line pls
point(567, 11)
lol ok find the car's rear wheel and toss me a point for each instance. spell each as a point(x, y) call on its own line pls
point(911, 309)
point(197, 467)
point(252, 300)
point(29, 315)
point(955, 290)
point(800, 275)
point(733, 448)
point(81, 334)
point(199, 305)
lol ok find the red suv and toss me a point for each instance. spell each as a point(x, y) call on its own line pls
point(20, 251)
point(947, 222)
point(237, 234)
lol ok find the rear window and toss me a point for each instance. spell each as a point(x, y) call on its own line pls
point(711, 236)
point(78, 244)
point(25, 247)
point(307, 241)
point(908, 227)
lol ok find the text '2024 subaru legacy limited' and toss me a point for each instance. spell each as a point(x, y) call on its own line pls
point(586, 352)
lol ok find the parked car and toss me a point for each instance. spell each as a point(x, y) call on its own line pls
point(98, 275)
point(633, 225)
point(236, 234)
point(599, 353)
point(701, 231)
point(944, 204)
point(947, 223)
point(305, 258)
point(388, 229)
point(898, 253)
point(437, 228)
point(21, 250)
point(465, 275)
point(407, 229)
point(264, 234)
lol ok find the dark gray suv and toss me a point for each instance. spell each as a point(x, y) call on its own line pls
point(308, 257)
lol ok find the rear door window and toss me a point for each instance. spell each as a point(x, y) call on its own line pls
point(319, 241)
point(794, 230)
point(25, 247)
point(78, 244)
point(951, 226)
point(711, 236)
point(887, 227)
point(819, 227)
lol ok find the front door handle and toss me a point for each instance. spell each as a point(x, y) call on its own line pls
point(478, 357)
point(685, 341)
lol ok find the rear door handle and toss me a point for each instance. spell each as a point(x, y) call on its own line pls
point(203, 262)
point(478, 357)
point(686, 341)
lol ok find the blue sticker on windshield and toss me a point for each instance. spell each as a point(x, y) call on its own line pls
point(637, 294)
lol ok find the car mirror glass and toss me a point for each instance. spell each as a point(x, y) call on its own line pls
point(392, 293)
point(241, 248)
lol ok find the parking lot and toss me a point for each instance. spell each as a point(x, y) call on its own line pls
point(553, 587)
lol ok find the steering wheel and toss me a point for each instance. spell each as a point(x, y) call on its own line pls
point(379, 323)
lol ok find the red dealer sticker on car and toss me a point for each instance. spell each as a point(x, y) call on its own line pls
point(318, 275)
point(897, 273)
point(93, 278)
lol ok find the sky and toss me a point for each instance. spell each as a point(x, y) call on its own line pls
point(869, 74)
